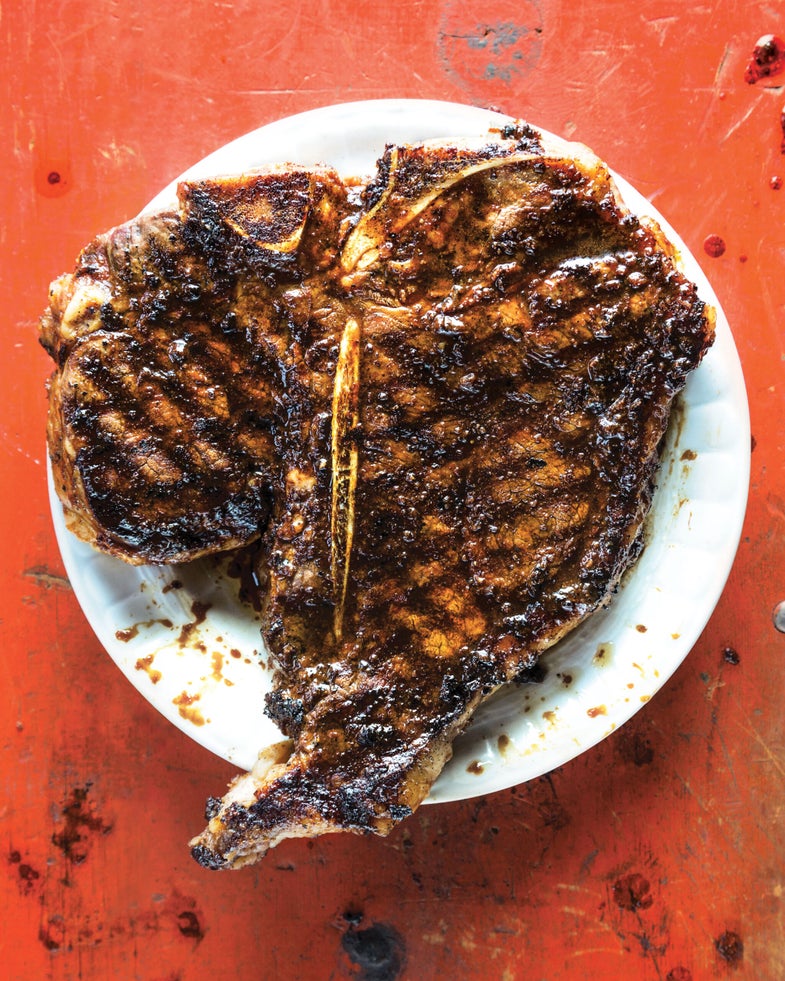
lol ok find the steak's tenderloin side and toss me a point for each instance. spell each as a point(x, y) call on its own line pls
point(452, 389)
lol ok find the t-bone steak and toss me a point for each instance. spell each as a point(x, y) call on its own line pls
point(436, 398)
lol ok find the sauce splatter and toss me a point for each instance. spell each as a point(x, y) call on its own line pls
point(714, 246)
point(475, 767)
point(597, 710)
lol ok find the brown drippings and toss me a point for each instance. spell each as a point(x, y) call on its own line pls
point(199, 612)
point(597, 710)
point(146, 664)
point(129, 633)
point(475, 767)
point(217, 672)
point(689, 455)
point(503, 743)
point(641, 628)
point(185, 703)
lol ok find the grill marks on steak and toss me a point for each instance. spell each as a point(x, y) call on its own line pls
point(466, 377)
point(171, 338)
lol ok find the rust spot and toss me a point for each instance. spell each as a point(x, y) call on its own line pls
point(52, 181)
point(377, 952)
point(46, 578)
point(730, 947)
point(768, 59)
point(78, 825)
point(188, 924)
point(635, 749)
point(486, 50)
point(52, 933)
point(28, 877)
point(632, 892)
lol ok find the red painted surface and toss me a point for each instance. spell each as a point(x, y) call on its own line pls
point(658, 854)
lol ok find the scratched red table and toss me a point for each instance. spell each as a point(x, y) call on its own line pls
point(658, 854)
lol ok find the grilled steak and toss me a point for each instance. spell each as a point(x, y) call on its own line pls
point(456, 394)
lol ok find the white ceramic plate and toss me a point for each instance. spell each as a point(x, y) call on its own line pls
point(183, 637)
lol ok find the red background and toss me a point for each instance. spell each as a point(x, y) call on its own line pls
point(656, 855)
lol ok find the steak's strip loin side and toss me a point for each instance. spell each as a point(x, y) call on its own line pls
point(451, 389)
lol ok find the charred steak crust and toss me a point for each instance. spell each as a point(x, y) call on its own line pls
point(447, 394)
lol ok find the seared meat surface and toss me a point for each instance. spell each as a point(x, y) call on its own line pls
point(462, 378)
point(170, 339)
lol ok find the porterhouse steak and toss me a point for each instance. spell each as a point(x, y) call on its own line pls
point(437, 397)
